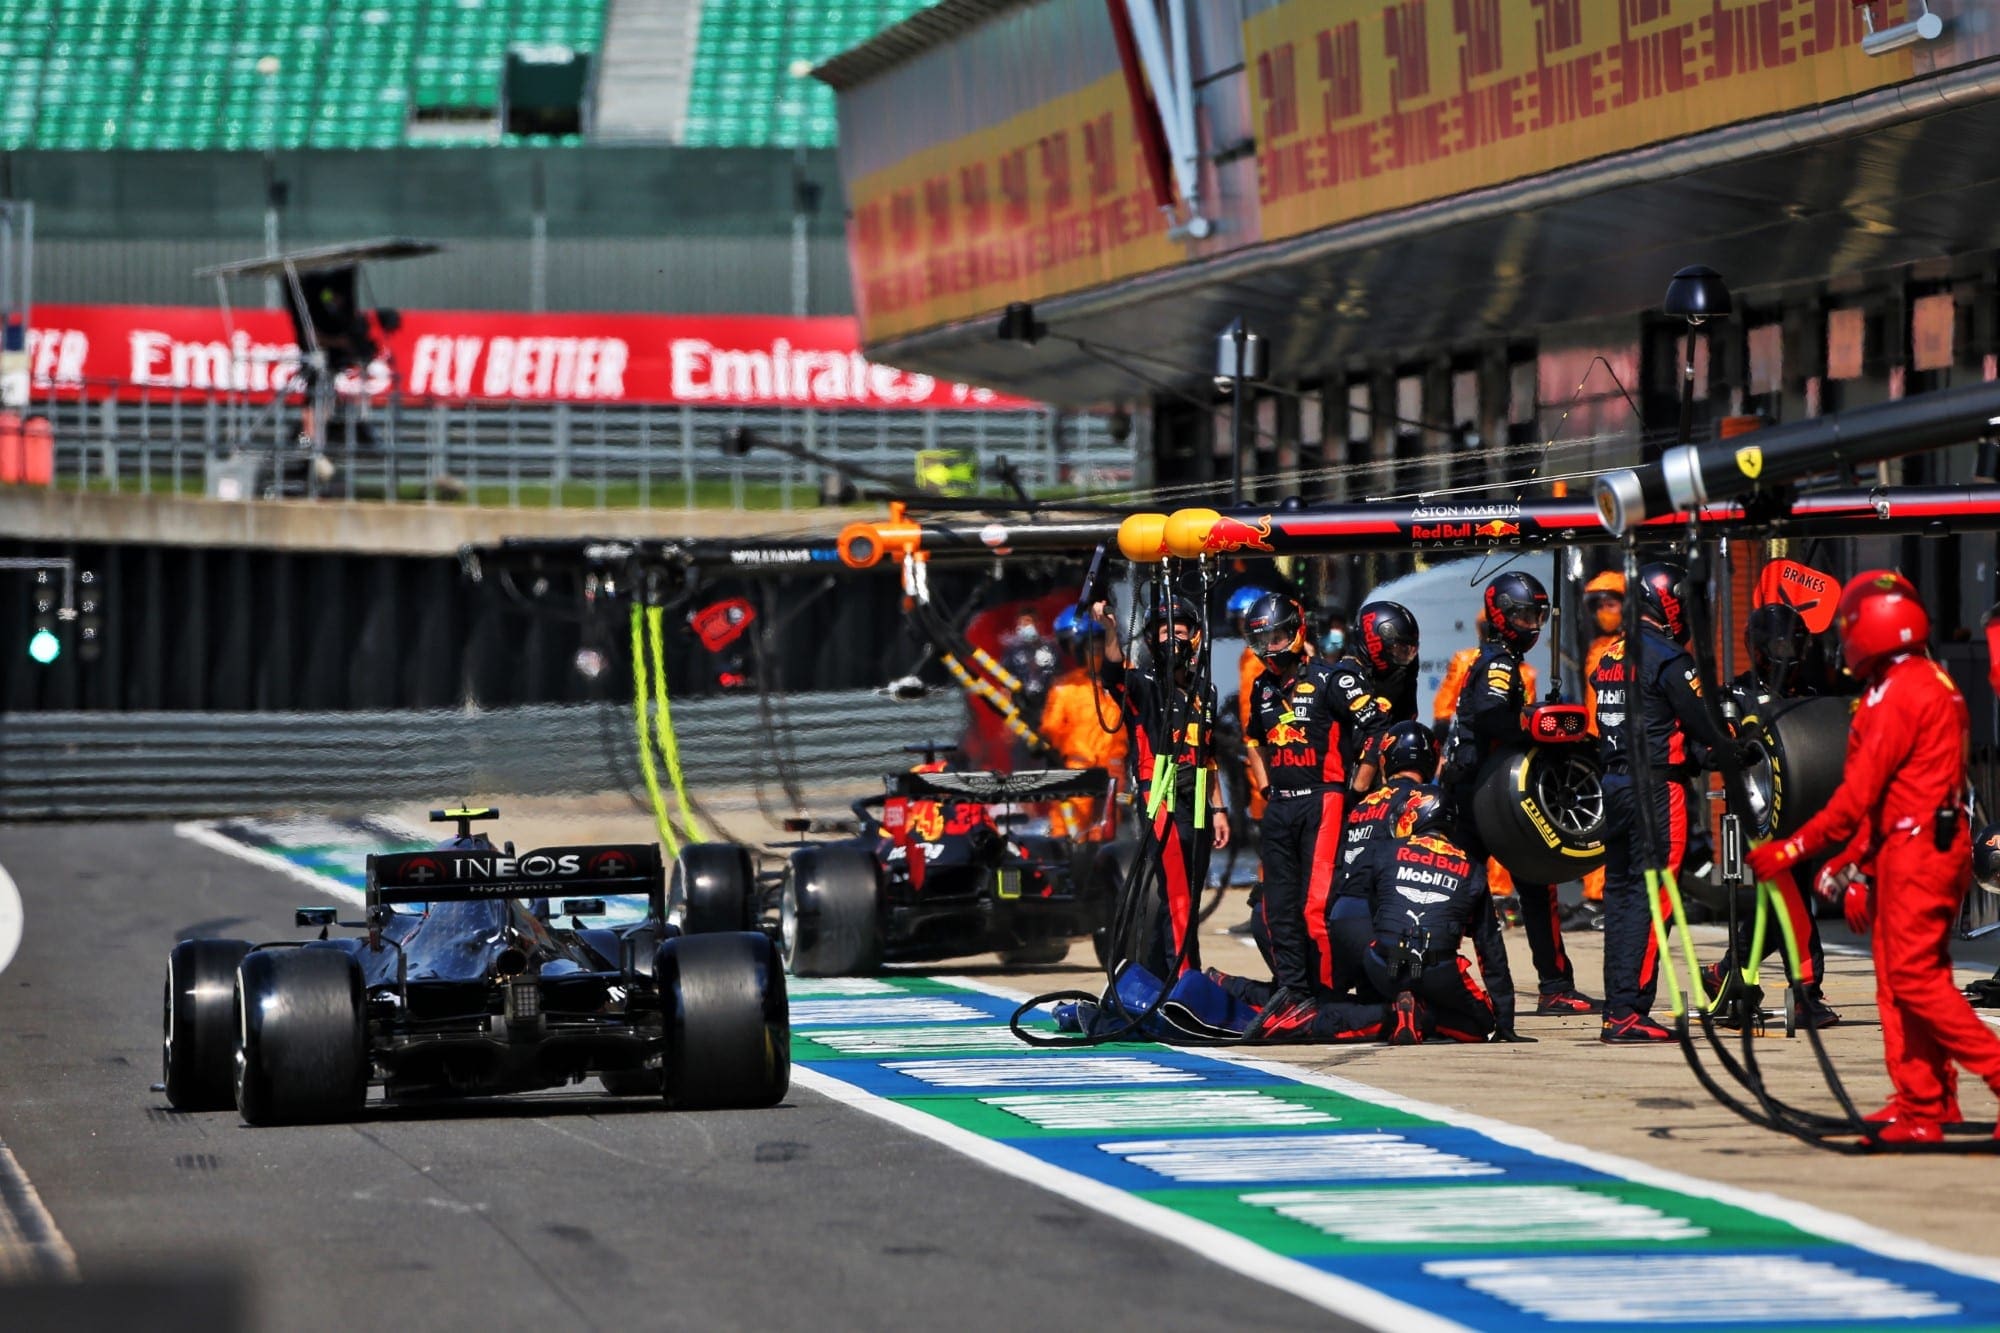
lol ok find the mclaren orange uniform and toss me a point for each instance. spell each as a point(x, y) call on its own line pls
point(1074, 716)
point(1248, 668)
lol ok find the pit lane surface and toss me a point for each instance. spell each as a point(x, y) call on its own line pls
point(552, 1210)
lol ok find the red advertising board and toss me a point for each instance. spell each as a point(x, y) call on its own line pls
point(703, 360)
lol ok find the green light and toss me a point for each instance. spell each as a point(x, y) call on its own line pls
point(44, 647)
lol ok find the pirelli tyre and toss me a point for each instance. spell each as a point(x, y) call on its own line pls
point(1110, 867)
point(727, 1022)
point(1540, 810)
point(198, 1037)
point(830, 912)
point(1801, 753)
point(301, 1052)
point(713, 887)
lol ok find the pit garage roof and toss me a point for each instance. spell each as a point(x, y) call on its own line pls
point(1892, 176)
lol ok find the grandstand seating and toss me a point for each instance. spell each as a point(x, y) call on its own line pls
point(237, 74)
point(744, 92)
point(203, 74)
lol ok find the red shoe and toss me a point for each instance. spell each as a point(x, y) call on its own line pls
point(1288, 1017)
point(1633, 1028)
point(1910, 1131)
point(1892, 1110)
point(1406, 1032)
point(1567, 1002)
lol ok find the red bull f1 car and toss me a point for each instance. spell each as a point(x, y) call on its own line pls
point(461, 981)
point(930, 869)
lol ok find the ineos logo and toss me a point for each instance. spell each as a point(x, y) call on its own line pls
point(537, 864)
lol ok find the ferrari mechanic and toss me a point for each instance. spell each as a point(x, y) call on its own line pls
point(1904, 789)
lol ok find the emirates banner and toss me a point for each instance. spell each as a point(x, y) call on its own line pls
point(461, 356)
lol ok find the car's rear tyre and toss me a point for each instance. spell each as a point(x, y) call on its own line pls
point(1109, 869)
point(728, 1026)
point(830, 912)
point(301, 1051)
point(198, 1022)
point(1042, 953)
point(1540, 810)
point(1803, 749)
point(713, 887)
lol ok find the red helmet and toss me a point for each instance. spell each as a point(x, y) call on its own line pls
point(1871, 583)
point(1879, 615)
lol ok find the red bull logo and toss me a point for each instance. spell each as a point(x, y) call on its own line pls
point(926, 821)
point(1286, 733)
point(1227, 535)
point(1497, 528)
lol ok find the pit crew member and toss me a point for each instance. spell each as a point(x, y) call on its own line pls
point(1905, 787)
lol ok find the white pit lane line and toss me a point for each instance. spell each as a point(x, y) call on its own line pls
point(13, 921)
point(1807, 1217)
point(31, 1244)
point(257, 856)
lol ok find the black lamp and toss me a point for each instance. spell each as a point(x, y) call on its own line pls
point(1697, 294)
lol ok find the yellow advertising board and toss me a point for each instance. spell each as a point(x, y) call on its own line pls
point(1364, 106)
point(1053, 200)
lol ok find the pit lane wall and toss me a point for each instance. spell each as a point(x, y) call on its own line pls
point(1024, 177)
point(151, 765)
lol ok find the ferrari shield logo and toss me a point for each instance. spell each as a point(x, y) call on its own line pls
point(1750, 461)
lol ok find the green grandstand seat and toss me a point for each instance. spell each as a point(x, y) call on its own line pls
point(184, 73)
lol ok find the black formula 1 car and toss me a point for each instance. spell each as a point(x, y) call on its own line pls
point(930, 869)
point(473, 988)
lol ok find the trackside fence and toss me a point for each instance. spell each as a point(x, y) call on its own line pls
point(181, 765)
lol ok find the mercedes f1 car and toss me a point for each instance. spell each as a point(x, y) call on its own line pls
point(461, 982)
point(930, 869)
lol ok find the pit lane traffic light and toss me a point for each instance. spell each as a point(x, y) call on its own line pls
point(44, 646)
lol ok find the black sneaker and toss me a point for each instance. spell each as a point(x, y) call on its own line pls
point(1567, 1002)
point(1633, 1028)
point(1244, 926)
point(1404, 1012)
point(1585, 915)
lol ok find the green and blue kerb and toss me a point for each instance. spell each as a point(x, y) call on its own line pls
point(1443, 1217)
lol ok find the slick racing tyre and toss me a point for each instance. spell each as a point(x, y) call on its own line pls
point(728, 1026)
point(713, 887)
point(301, 1050)
point(1540, 810)
point(1110, 868)
point(198, 1045)
point(1802, 752)
point(830, 912)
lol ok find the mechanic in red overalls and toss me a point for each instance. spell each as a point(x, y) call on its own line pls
point(1904, 788)
point(1167, 711)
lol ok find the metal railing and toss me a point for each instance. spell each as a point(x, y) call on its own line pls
point(122, 438)
point(149, 765)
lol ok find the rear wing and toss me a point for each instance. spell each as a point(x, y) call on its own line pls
point(1052, 784)
point(450, 875)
